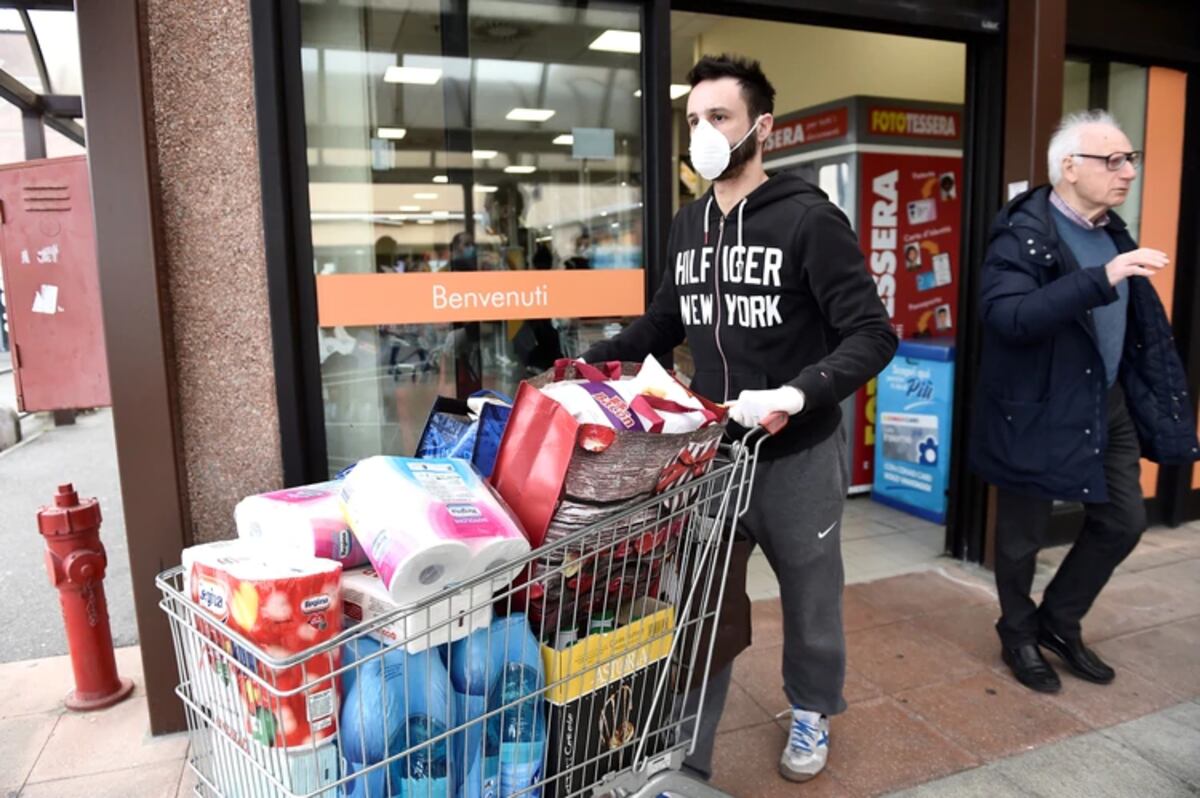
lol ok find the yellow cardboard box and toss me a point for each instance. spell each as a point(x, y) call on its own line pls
point(600, 659)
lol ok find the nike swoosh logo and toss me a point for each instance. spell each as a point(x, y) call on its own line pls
point(827, 531)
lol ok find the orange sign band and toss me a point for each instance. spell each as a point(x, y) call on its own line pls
point(358, 300)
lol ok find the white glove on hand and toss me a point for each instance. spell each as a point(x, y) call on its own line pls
point(752, 407)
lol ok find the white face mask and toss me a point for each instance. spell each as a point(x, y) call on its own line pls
point(710, 150)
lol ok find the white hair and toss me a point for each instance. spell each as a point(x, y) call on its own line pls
point(1067, 138)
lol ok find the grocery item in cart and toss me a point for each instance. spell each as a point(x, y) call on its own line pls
point(422, 522)
point(559, 475)
point(488, 553)
point(602, 695)
point(284, 603)
point(365, 599)
point(489, 670)
point(308, 519)
point(396, 703)
point(651, 401)
point(468, 429)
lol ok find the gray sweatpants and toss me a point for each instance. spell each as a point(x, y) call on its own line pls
point(795, 514)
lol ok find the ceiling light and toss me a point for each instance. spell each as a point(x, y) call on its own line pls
point(482, 189)
point(423, 76)
point(529, 114)
point(393, 133)
point(424, 221)
point(565, 138)
point(425, 195)
point(618, 41)
point(484, 155)
point(520, 170)
point(410, 208)
point(441, 214)
point(441, 179)
point(677, 90)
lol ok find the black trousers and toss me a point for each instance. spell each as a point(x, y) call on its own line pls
point(1110, 532)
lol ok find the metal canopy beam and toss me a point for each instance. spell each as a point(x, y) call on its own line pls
point(36, 47)
point(68, 106)
point(18, 93)
point(67, 127)
point(39, 5)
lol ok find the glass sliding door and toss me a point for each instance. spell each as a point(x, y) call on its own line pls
point(475, 185)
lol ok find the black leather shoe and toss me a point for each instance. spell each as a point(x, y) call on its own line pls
point(1031, 669)
point(1079, 659)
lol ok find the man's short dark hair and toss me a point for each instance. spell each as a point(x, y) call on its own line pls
point(757, 91)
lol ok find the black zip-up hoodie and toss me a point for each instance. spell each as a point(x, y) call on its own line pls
point(776, 293)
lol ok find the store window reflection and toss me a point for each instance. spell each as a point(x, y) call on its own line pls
point(503, 139)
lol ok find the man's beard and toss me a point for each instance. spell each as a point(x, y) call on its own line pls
point(739, 158)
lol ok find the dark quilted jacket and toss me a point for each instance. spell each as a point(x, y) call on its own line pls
point(1040, 423)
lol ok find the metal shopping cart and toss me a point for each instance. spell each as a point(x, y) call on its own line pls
point(570, 679)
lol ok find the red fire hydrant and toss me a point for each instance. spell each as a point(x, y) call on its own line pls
point(75, 561)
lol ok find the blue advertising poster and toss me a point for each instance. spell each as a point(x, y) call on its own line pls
point(912, 445)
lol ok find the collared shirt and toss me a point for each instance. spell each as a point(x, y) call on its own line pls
point(1093, 247)
point(1074, 215)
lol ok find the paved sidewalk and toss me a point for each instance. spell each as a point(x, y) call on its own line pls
point(929, 696)
point(932, 709)
point(85, 454)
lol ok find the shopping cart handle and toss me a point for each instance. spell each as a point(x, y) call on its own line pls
point(775, 422)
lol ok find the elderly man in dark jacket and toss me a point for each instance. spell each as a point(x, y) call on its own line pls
point(1079, 379)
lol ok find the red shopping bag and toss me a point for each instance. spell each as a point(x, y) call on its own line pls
point(534, 456)
point(548, 461)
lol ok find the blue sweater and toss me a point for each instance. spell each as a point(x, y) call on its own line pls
point(1093, 249)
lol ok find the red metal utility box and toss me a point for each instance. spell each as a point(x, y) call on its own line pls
point(52, 285)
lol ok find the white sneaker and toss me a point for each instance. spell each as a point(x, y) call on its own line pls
point(807, 748)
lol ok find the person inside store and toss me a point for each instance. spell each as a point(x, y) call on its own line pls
point(582, 259)
point(767, 284)
point(462, 252)
point(1079, 379)
point(537, 342)
point(504, 213)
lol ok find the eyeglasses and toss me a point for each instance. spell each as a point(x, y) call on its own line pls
point(1116, 160)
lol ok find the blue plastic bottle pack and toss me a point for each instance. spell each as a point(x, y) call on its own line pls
point(473, 664)
point(491, 669)
point(389, 705)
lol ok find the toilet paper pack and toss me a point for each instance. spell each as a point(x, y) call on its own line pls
point(308, 519)
point(426, 524)
point(284, 603)
point(365, 599)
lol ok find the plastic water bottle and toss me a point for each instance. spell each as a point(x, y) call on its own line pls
point(396, 702)
point(428, 771)
point(474, 663)
point(517, 735)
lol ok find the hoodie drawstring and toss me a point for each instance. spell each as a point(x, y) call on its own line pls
point(707, 210)
point(741, 214)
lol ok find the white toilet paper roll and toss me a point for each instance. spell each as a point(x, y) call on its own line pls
point(489, 553)
point(426, 524)
point(426, 569)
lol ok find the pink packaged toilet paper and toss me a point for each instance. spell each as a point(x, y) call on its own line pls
point(425, 522)
point(307, 519)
